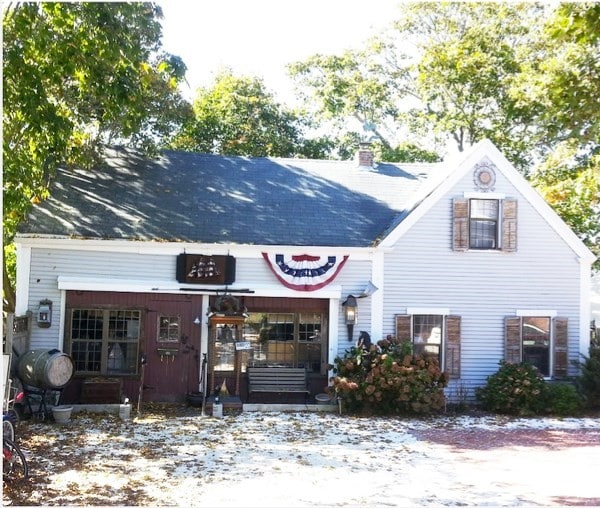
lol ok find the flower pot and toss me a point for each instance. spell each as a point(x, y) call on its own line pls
point(62, 414)
point(195, 399)
point(323, 398)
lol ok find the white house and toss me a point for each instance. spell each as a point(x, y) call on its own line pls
point(251, 261)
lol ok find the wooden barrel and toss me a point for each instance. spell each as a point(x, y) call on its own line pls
point(45, 369)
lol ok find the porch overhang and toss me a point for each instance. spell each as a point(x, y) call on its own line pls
point(75, 283)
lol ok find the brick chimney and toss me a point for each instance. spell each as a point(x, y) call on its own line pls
point(365, 155)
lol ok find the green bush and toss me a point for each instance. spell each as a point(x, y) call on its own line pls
point(562, 399)
point(588, 382)
point(516, 389)
point(388, 379)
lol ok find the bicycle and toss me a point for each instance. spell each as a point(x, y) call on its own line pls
point(14, 464)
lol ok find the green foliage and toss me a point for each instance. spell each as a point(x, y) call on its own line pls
point(238, 116)
point(562, 399)
point(516, 389)
point(356, 84)
point(588, 383)
point(524, 75)
point(560, 75)
point(520, 389)
point(468, 55)
point(388, 379)
point(569, 180)
point(408, 152)
point(76, 74)
point(559, 83)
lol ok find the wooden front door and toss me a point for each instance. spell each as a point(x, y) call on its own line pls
point(172, 350)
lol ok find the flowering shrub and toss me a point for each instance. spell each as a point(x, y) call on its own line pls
point(388, 379)
point(517, 388)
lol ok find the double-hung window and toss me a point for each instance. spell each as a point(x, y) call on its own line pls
point(427, 335)
point(484, 221)
point(535, 340)
point(433, 333)
point(538, 338)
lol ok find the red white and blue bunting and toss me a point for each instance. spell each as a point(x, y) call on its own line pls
point(304, 272)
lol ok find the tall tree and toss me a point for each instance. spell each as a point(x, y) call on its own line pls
point(76, 74)
point(560, 75)
point(443, 72)
point(360, 95)
point(468, 57)
point(237, 115)
point(560, 82)
point(524, 75)
point(357, 85)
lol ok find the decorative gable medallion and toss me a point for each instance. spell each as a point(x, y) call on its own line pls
point(484, 176)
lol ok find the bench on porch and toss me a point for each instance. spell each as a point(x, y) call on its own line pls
point(277, 380)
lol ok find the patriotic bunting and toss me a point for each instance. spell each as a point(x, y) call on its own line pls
point(304, 272)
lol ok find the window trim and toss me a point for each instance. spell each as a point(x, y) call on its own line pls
point(451, 337)
point(428, 310)
point(554, 347)
point(507, 223)
point(158, 329)
point(495, 221)
point(536, 313)
point(499, 196)
point(296, 341)
point(105, 339)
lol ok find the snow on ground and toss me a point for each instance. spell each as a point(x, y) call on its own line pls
point(258, 459)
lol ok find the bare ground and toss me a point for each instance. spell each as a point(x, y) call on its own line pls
point(173, 456)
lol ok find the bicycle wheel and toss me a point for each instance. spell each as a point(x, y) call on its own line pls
point(8, 429)
point(14, 465)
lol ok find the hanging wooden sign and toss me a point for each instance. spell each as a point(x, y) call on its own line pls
point(201, 269)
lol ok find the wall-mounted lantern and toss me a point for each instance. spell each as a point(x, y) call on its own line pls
point(351, 314)
point(197, 321)
point(44, 315)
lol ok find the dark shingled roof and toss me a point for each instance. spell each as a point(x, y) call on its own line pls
point(188, 197)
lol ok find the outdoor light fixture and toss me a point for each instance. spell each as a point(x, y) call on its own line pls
point(351, 314)
point(44, 316)
point(197, 320)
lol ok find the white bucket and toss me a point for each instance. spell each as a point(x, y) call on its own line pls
point(62, 414)
point(125, 411)
point(323, 398)
point(217, 409)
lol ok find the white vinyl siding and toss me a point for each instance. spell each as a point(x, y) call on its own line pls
point(48, 264)
point(482, 286)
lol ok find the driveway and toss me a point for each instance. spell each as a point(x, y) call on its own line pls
point(177, 457)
